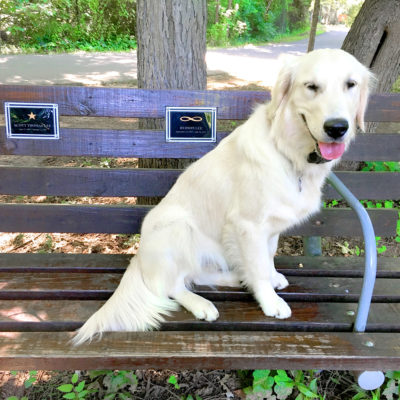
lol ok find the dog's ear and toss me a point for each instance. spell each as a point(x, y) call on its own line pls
point(283, 83)
point(367, 82)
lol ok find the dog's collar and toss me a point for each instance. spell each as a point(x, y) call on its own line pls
point(315, 156)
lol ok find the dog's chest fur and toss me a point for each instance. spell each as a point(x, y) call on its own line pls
point(301, 199)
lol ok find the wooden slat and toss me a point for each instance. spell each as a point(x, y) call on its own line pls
point(139, 103)
point(384, 108)
point(150, 144)
point(106, 143)
point(57, 181)
point(368, 185)
point(62, 315)
point(374, 147)
point(70, 315)
point(117, 102)
point(83, 286)
point(126, 219)
point(388, 267)
point(86, 181)
point(209, 350)
point(61, 262)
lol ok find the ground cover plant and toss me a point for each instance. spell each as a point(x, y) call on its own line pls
point(201, 385)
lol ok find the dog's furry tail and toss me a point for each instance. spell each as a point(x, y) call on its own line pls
point(132, 307)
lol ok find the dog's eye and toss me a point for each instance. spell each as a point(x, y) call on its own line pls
point(350, 84)
point(312, 86)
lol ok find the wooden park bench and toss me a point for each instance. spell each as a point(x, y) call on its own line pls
point(45, 297)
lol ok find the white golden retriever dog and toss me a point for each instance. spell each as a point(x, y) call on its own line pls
point(220, 222)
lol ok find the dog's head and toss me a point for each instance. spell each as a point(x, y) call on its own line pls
point(326, 92)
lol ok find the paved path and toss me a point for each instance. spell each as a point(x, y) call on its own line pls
point(254, 63)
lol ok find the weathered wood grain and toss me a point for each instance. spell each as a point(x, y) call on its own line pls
point(141, 103)
point(100, 286)
point(388, 267)
point(69, 315)
point(207, 350)
point(151, 144)
point(58, 181)
point(127, 219)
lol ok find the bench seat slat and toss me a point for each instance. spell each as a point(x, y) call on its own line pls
point(151, 144)
point(57, 181)
point(101, 286)
point(207, 350)
point(127, 219)
point(388, 267)
point(34, 315)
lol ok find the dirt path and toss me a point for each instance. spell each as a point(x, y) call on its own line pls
point(259, 63)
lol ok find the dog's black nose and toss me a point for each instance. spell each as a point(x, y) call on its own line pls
point(336, 127)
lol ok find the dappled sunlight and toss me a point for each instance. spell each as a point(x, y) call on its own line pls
point(21, 315)
point(78, 68)
point(8, 335)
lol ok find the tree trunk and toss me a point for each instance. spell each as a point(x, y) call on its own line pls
point(314, 23)
point(374, 40)
point(171, 37)
point(217, 11)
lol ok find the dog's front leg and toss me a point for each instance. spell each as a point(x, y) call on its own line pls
point(278, 280)
point(257, 268)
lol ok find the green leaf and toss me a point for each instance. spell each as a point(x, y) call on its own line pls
point(314, 385)
point(82, 394)
point(283, 392)
point(360, 396)
point(29, 382)
point(65, 388)
point(306, 391)
point(74, 378)
point(173, 381)
point(80, 386)
point(69, 396)
point(97, 373)
point(12, 398)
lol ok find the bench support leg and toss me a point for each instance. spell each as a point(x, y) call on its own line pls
point(312, 246)
point(367, 380)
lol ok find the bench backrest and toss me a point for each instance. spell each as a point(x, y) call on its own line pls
point(78, 139)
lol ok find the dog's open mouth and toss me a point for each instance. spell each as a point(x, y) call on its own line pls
point(328, 151)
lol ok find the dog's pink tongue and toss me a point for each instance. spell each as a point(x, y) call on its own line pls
point(331, 151)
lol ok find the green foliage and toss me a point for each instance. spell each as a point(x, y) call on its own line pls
point(382, 166)
point(283, 384)
point(55, 25)
point(74, 390)
point(173, 381)
point(252, 20)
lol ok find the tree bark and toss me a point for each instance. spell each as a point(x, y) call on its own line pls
point(314, 23)
point(171, 37)
point(217, 11)
point(374, 40)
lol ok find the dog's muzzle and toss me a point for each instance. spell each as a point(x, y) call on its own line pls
point(315, 156)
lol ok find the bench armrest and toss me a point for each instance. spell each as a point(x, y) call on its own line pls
point(370, 252)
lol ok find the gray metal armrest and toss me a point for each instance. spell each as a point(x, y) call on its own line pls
point(370, 253)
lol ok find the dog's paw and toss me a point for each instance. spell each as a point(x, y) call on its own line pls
point(277, 308)
point(205, 310)
point(279, 281)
